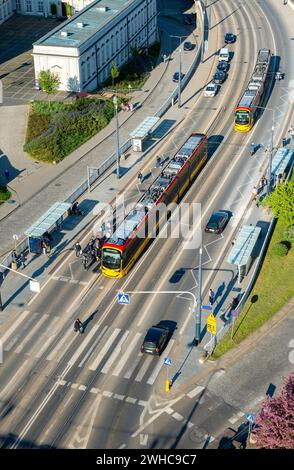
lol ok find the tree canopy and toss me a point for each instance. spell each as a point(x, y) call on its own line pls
point(49, 81)
point(114, 71)
point(275, 422)
point(281, 202)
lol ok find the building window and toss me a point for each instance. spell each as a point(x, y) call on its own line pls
point(18, 5)
point(88, 69)
point(29, 5)
point(40, 7)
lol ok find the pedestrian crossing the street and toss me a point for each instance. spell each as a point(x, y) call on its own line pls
point(103, 349)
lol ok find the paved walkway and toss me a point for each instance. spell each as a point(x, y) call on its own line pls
point(35, 190)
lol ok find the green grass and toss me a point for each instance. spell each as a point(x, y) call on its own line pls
point(4, 194)
point(274, 288)
point(56, 129)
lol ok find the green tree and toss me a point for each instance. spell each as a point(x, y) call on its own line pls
point(114, 72)
point(281, 202)
point(49, 82)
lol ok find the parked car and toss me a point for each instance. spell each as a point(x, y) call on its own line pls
point(188, 46)
point(223, 66)
point(155, 340)
point(176, 76)
point(217, 222)
point(219, 77)
point(230, 38)
point(210, 89)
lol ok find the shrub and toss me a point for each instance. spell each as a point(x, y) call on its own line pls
point(281, 248)
point(37, 124)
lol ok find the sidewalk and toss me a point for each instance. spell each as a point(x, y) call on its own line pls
point(39, 190)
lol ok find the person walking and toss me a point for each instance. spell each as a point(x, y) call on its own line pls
point(254, 193)
point(158, 162)
point(22, 260)
point(78, 249)
point(140, 177)
point(211, 296)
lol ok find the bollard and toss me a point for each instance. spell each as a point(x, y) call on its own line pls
point(168, 384)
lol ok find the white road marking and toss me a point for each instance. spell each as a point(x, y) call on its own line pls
point(13, 327)
point(74, 385)
point(143, 439)
point(94, 390)
point(126, 355)
point(177, 416)
point(65, 340)
point(155, 373)
point(133, 366)
point(195, 391)
point(81, 437)
point(142, 402)
point(131, 400)
point(115, 353)
point(93, 346)
point(106, 393)
point(83, 345)
point(144, 368)
point(118, 397)
point(104, 350)
point(122, 446)
point(233, 419)
point(41, 348)
point(82, 387)
point(31, 333)
point(12, 381)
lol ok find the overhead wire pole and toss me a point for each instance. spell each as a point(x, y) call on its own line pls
point(199, 303)
point(117, 138)
point(180, 66)
point(271, 149)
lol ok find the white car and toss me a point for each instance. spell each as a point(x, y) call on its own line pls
point(210, 89)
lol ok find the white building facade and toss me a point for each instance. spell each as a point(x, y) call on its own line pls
point(7, 8)
point(81, 50)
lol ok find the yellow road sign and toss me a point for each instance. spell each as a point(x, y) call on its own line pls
point(211, 324)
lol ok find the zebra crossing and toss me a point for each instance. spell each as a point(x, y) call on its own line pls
point(104, 349)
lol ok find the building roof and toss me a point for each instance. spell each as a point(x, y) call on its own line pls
point(281, 160)
point(241, 252)
point(47, 220)
point(84, 24)
point(142, 130)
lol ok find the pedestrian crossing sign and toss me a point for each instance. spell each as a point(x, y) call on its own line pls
point(123, 299)
point(211, 324)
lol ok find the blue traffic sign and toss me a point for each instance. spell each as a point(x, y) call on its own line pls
point(249, 417)
point(123, 299)
point(168, 361)
point(206, 307)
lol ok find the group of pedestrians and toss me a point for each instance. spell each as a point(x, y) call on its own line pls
point(92, 251)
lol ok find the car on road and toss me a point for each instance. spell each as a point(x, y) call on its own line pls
point(230, 38)
point(176, 76)
point(155, 340)
point(210, 89)
point(223, 66)
point(219, 77)
point(217, 222)
point(188, 46)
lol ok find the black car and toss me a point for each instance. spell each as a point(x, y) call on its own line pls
point(176, 76)
point(188, 46)
point(230, 38)
point(155, 340)
point(217, 222)
point(219, 77)
point(223, 66)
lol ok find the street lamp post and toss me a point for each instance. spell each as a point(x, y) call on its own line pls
point(199, 301)
point(271, 149)
point(117, 138)
point(180, 76)
point(180, 67)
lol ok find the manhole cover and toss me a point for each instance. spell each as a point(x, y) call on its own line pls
point(11, 201)
point(57, 184)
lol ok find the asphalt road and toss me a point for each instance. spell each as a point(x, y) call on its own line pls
point(97, 390)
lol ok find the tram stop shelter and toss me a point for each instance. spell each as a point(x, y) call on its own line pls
point(241, 254)
point(281, 160)
point(142, 131)
point(49, 221)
